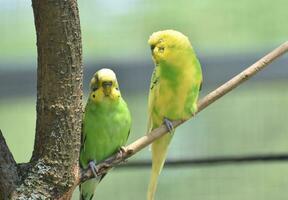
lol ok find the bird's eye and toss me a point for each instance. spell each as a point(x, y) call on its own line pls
point(161, 49)
point(152, 47)
point(117, 88)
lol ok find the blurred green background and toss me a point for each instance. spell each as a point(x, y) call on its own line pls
point(227, 35)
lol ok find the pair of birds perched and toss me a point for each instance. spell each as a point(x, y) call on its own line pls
point(174, 89)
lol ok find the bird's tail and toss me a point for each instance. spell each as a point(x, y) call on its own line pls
point(159, 152)
point(87, 189)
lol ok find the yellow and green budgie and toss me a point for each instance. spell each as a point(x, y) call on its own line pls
point(106, 126)
point(174, 90)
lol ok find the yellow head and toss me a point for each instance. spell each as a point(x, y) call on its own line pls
point(166, 45)
point(104, 86)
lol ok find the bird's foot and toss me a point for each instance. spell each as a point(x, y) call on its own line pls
point(122, 151)
point(193, 114)
point(92, 165)
point(169, 125)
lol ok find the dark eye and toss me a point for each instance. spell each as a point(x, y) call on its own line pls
point(117, 88)
point(161, 49)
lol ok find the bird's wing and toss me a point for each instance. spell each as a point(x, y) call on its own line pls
point(153, 84)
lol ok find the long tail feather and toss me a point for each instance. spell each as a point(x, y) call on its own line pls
point(87, 189)
point(159, 152)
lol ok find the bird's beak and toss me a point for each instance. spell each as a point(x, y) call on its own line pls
point(107, 87)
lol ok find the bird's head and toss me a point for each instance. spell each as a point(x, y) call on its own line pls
point(168, 44)
point(104, 85)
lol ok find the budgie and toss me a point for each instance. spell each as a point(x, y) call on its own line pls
point(174, 89)
point(106, 126)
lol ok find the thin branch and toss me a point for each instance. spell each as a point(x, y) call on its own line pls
point(8, 170)
point(144, 141)
point(210, 161)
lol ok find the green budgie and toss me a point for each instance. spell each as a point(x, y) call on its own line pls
point(106, 126)
point(174, 91)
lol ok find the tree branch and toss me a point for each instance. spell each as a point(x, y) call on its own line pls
point(8, 170)
point(144, 141)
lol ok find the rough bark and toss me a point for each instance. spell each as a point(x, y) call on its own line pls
point(8, 170)
point(54, 164)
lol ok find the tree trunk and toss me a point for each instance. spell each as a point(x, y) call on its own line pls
point(8, 170)
point(53, 169)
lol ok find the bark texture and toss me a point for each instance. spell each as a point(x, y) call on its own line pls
point(54, 164)
point(8, 170)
